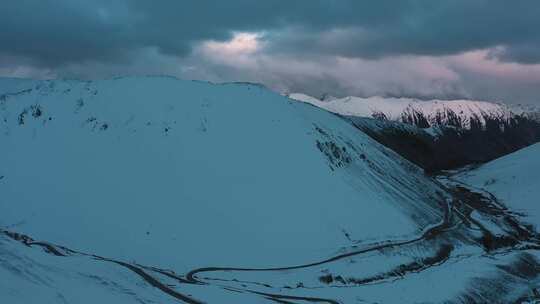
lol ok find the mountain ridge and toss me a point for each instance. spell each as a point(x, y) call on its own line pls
point(459, 113)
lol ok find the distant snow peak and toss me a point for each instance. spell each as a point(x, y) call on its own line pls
point(424, 114)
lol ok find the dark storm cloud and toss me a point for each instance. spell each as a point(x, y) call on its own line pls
point(53, 32)
point(424, 28)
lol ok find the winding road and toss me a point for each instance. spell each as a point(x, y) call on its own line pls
point(458, 206)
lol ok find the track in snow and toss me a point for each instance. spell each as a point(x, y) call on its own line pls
point(457, 212)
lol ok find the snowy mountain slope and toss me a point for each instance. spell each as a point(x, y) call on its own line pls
point(37, 277)
point(514, 179)
point(459, 113)
point(126, 165)
point(527, 110)
point(153, 148)
point(10, 86)
point(154, 189)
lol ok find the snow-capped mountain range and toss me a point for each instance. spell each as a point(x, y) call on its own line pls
point(159, 190)
point(514, 179)
point(438, 134)
point(424, 114)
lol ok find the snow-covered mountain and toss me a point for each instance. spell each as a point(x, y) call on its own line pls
point(532, 112)
point(235, 156)
point(424, 114)
point(158, 190)
point(438, 135)
point(514, 179)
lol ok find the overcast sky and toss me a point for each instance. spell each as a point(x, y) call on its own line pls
point(479, 49)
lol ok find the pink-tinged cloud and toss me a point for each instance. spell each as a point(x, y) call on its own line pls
point(484, 62)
